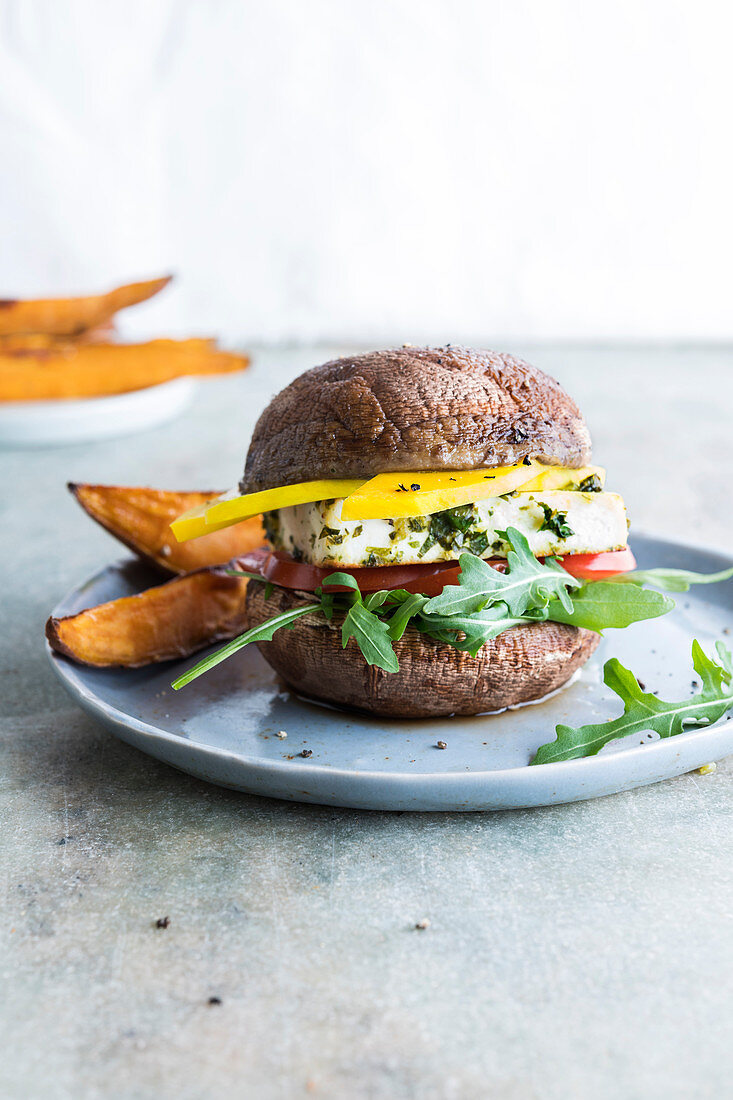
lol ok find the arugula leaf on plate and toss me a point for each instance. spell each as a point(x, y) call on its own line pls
point(671, 580)
point(645, 712)
point(599, 605)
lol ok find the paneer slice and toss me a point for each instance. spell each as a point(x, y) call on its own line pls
point(554, 522)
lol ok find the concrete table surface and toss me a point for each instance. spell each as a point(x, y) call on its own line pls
point(578, 951)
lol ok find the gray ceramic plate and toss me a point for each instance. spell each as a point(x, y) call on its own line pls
point(223, 727)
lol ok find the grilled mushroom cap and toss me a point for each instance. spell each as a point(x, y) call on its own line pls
point(522, 664)
point(414, 409)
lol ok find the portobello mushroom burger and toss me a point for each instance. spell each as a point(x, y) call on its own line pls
point(439, 541)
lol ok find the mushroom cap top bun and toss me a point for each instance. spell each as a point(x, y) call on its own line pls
point(448, 408)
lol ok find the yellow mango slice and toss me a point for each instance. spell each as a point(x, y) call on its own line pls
point(386, 496)
point(233, 508)
point(397, 496)
point(562, 477)
point(191, 524)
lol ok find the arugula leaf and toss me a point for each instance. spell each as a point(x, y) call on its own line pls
point(261, 633)
point(528, 583)
point(643, 711)
point(369, 631)
point(671, 580)
point(372, 637)
point(410, 607)
point(478, 628)
point(329, 600)
point(599, 605)
point(375, 599)
point(345, 580)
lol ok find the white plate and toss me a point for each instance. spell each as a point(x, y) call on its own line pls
point(44, 423)
point(223, 727)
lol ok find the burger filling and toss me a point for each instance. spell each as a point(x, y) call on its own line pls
point(458, 561)
point(553, 522)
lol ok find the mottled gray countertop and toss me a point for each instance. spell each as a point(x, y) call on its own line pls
point(582, 951)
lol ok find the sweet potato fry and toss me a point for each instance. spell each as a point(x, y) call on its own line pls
point(98, 369)
point(140, 519)
point(38, 341)
point(68, 316)
point(170, 621)
point(44, 341)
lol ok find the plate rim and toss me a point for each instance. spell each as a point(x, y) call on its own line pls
point(67, 673)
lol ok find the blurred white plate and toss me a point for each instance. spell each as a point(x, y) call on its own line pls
point(43, 423)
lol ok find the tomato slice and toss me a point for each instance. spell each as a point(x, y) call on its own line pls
point(430, 580)
point(598, 567)
point(282, 570)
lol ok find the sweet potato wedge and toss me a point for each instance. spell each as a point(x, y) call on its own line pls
point(169, 621)
point(99, 369)
point(140, 519)
point(68, 316)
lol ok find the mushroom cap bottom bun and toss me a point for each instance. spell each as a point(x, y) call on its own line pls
point(522, 664)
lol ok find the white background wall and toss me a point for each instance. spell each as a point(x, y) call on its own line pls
point(383, 170)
